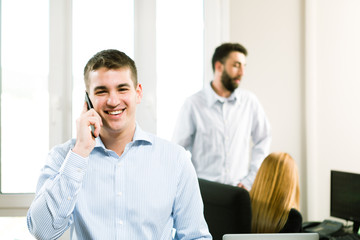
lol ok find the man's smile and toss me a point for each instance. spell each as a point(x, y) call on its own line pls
point(115, 112)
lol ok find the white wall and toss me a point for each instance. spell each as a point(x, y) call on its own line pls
point(145, 28)
point(302, 64)
point(272, 32)
point(338, 98)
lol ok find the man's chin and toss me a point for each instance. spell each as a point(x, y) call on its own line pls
point(113, 129)
point(235, 86)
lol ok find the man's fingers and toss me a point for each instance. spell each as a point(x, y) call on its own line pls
point(85, 108)
point(93, 118)
point(96, 122)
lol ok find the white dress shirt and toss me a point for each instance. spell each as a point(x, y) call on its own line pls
point(142, 194)
point(221, 133)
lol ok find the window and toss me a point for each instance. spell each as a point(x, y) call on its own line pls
point(24, 93)
point(24, 84)
point(179, 58)
point(37, 42)
point(36, 47)
point(96, 27)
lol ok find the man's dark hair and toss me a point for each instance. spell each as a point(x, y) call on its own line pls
point(223, 51)
point(110, 59)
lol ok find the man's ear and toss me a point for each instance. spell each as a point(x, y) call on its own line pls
point(139, 93)
point(219, 67)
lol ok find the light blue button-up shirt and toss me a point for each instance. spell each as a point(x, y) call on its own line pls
point(145, 193)
point(228, 137)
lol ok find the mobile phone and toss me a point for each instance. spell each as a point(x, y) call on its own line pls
point(89, 106)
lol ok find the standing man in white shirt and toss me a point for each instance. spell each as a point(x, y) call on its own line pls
point(220, 123)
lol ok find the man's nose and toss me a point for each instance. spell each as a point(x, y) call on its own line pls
point(241, 69)
point(113, 99)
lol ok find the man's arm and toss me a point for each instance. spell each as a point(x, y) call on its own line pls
point(189, 220)
point(184, 128)
point(261, 137)
point(50, 214)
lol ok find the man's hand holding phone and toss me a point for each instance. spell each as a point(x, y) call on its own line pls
point(88, 127)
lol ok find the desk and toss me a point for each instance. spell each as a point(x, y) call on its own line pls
point(328, 228)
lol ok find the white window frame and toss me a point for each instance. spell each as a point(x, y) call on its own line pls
point(60, 88)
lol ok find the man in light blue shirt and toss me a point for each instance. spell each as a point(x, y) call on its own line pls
point(117, 182)
point(220, 124)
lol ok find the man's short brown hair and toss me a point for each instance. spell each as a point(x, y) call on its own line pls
point(110, 59)
point(223, 51)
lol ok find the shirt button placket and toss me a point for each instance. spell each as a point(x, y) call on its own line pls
point(119, 196)
point(226, 139)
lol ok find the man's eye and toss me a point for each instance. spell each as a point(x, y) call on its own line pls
point(100, 92)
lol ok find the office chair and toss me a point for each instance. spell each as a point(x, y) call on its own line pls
point(227, 209)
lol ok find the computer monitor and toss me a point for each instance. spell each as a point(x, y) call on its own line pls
point(345, 197)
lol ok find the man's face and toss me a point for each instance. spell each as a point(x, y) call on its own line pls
point(114, 97)
point(233, 70)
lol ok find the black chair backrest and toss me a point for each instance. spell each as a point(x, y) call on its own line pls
point(227, 209)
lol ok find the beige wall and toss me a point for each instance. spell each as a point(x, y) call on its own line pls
point(303, 65)
point(338, 87)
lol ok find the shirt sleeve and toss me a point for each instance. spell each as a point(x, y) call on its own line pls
point(261, 138)
point(189, 220)
point(184, 128)
point(50, 214)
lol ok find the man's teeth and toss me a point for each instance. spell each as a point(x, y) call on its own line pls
point(115, 112)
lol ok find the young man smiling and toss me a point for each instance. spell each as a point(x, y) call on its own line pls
point(123, 183)
point(218, 123)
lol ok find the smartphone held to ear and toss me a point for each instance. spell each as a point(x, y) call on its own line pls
point(88, 101)
point(89, 106)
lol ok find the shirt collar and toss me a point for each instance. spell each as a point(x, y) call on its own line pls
point(139, 136)
point(212, 97)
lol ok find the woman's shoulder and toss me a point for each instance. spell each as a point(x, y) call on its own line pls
point(293, 223)
point(294, 213)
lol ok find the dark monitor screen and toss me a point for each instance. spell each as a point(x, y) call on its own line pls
point(345, 196)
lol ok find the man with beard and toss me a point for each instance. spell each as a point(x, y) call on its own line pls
point(220, 124)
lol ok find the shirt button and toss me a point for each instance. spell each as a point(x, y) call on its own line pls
point(69, 198)
point(79, 170)
point(119, 194)
point(119, 164)
point(120, 222)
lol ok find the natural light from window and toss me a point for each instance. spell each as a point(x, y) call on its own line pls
point(179, 58)
point(96, 27)
point(24, 93)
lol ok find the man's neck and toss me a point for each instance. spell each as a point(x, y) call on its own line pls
point(219, 88)
point(117, 141)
